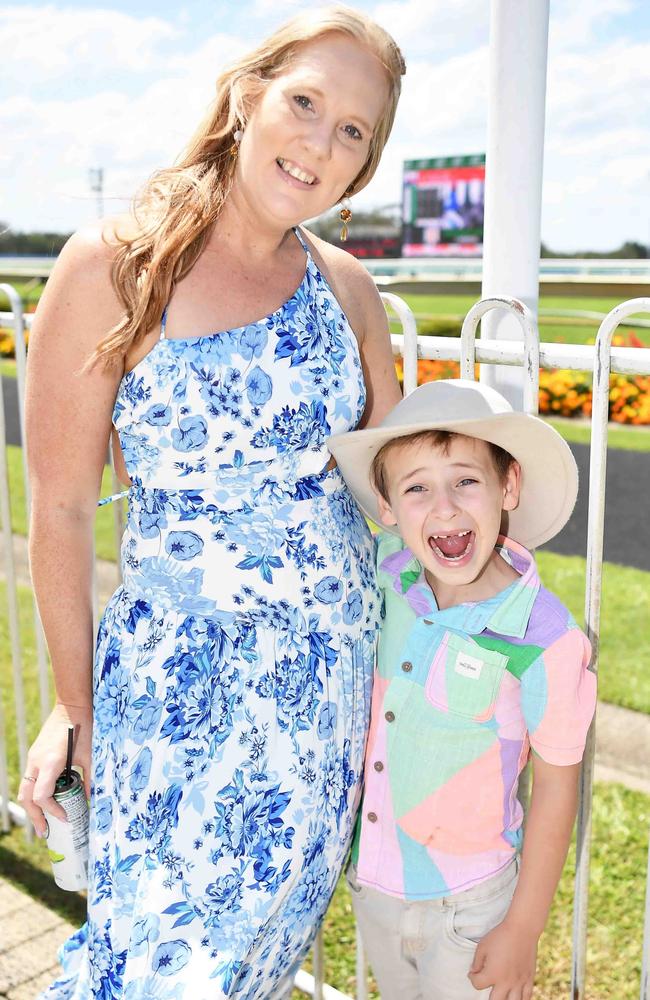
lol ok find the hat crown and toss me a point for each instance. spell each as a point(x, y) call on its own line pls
point(448, 400)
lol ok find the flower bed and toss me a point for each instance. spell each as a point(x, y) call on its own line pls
point(566, 393)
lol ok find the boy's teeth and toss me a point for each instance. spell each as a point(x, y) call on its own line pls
point(290, 168)
point(452, 547)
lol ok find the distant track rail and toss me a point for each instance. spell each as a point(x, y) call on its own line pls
point(447, 269)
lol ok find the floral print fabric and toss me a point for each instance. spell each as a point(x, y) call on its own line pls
point(233, 666)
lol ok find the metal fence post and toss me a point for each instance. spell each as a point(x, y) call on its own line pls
point(645, 970)
point(595, 533)
point(526, 319)
point(410, 334)
point(14, 627)
point(21, 374)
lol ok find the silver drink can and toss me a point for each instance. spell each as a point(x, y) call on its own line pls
point(68, 842)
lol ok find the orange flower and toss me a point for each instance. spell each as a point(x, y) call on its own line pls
point(566, 392)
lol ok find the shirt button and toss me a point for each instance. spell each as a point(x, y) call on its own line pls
point(372, 817)
point(389, 716)
point(378, 766)
point(407, 666)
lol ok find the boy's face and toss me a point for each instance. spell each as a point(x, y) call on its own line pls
point(447, 507)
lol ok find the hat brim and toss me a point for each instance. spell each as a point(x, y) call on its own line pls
point(549, 474)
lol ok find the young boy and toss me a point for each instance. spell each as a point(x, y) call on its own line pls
point(477, 664)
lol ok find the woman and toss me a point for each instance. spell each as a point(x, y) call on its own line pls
point(231, 682)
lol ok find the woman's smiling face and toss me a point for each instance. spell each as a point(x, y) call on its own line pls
point(309, 134)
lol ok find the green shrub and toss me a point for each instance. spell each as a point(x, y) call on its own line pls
point(439, 327)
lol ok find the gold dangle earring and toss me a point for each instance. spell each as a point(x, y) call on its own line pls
point(345, 216)
point(237, 138)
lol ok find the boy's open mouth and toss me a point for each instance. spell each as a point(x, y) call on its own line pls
point(452, 547)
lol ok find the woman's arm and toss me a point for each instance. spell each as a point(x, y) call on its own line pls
point(68, 420)
point(382, 387)
point(360, 301)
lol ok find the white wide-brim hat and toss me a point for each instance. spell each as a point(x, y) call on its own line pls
point(549, 474)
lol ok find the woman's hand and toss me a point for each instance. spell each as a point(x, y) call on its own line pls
point(47, 757)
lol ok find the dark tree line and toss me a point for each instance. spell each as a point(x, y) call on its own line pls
point(630, 250)
point(327, 226)
point(30, 244)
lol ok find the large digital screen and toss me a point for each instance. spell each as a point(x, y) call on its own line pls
point(442, 207)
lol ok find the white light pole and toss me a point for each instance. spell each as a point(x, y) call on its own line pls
point(513, 181)
point(96, 176)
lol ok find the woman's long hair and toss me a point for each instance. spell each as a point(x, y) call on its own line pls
point(174, 213)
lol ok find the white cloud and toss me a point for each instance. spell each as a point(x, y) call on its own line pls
point(47, 44)
point(87, 87)
point(434, 27)
point(279, 8)
point(575, 24)
point(558, 192)
point(444, 102)
point(600, 90)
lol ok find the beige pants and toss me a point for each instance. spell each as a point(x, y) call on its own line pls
point(423, 950)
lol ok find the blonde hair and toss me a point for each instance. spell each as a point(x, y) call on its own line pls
point(177, 207)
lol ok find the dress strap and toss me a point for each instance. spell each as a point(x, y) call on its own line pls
point(163, 323)
point(116, 496)
point(302, 241)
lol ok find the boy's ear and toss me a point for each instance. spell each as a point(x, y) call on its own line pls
point(386, 515)
point(512, 487)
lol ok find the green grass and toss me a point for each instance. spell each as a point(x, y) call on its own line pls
point(29, 676)
point(29, 291)
point(619, 845)
point(551, 329)
point(460, 304)
point(624, 678)
point(27, 866)
point(620, 438)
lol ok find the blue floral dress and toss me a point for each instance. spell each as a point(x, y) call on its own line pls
point(233, 666)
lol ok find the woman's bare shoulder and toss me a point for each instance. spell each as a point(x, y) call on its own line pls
point(339, 262)
point(351, 282)
point(79, 301)
point(94, 245)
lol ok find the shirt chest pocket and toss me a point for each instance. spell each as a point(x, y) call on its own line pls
point(464, 679)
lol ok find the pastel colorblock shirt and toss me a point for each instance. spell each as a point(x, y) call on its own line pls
point(460, 695)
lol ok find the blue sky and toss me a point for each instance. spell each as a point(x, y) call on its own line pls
point(123, 84)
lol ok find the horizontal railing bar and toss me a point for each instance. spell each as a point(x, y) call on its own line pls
point(8, 318)
point(17, 814)
point(576, 357)
point(306, 984)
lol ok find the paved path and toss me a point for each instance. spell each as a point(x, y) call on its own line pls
point(30, 935)
point(627, 525)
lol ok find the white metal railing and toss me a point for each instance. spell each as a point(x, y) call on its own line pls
point(470, 268)
point(531, 356)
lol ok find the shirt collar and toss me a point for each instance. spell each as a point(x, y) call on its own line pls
point(507, 613)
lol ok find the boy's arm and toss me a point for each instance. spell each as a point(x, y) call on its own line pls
point(505, 959)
